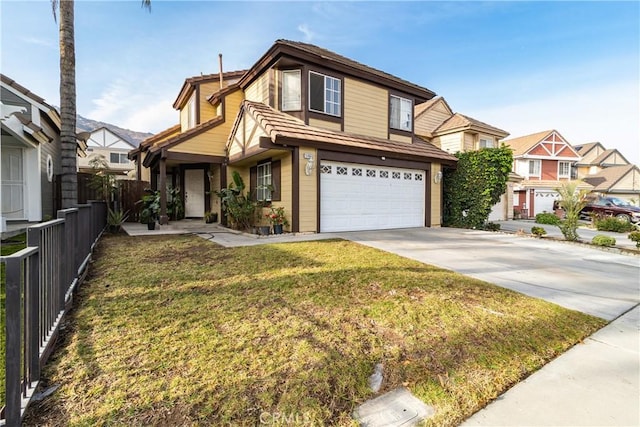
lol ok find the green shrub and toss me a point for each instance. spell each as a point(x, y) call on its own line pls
point(538, 231)
point(635, 236)
point(610, 223)
point(492, 226)
point(602, 240)
point(547, 218)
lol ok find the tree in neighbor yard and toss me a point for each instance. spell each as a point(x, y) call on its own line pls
point(572, 201)
point(68, 139)
point(478, 182)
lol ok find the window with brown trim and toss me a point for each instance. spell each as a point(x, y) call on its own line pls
point(401, 113)
point(324, 94)
point(264, 181)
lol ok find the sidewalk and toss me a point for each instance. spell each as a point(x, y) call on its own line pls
point(596, 383)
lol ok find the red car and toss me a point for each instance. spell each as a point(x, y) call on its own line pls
point(612, 206)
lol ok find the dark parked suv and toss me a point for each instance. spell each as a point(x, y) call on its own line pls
point(612, 206)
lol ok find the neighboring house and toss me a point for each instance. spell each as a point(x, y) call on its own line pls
point(436, 122)
point(332, 141)
point(544, 160)
point(618, 181)
point(30, 153)
point(191, 154)
point(595, 158)
point(112, 148)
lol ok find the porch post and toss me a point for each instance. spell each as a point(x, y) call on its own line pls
point(164, 218)
point(139, 166)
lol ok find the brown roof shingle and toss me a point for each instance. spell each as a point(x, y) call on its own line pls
point(459, 121)
point(607, 178)
point(523, 144)
point(280, 125)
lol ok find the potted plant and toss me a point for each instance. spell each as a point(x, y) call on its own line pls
point(115, 219)
point(150, 208)
point(210, 217)
point(278, 219)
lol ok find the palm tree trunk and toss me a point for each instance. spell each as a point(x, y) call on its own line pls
point(69, 182)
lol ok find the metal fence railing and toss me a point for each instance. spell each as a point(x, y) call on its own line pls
point(39, 285)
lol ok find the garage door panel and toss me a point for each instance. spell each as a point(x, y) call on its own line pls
point(365, 197)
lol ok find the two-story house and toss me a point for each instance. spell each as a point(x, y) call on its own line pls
point(110, 147)
point(333, 141)
point(436, 122)
point(608, 171)
point(545, 161)
point(192, 154)
point(30, 153)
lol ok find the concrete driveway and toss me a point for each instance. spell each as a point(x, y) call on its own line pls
point(597, 382)
point(600, 283)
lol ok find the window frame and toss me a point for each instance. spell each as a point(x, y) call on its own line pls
point(486, 140)
point(568, 174)
point(119, 162)
point(288, 105)
point(400, 104)
point(263, 192)
point(337, 102)
point(537, 162)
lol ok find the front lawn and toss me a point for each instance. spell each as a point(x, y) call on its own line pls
point(179, 331)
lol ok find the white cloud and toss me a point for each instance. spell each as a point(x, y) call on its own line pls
point(154, 117)
point(308, 34)
point(40, 42)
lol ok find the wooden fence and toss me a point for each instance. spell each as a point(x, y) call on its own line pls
point(40, 281)
point(129, 193)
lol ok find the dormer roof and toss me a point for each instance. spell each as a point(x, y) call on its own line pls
point(189, 84)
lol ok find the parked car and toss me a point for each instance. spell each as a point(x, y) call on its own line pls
point(612, 206)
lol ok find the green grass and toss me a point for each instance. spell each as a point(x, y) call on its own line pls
point(7, 247)
point(178, 331)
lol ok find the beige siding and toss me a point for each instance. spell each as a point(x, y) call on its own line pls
point(308, 193)
point(184, 118)
point(591, 155)
point(450, 143)
point(430, 120)
point(400, 138)
point(259, 90)
point(470, 143)
point(436, 197)
point(207, 111)
point(323, 124)
point(285, 187)
point(365, 109)
point(631, 181)
point(615, 159)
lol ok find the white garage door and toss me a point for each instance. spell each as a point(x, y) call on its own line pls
point(544, 201)
point(364, 197)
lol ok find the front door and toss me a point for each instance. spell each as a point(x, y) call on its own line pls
point(194, 193)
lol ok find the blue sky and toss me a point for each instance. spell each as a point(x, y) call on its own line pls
point(520, 66)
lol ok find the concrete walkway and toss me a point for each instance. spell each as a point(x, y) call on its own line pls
point(595, 383)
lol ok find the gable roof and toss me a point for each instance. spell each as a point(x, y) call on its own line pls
point(52, 112)
point(583, 149)
point(523, 144)
point(329, 59)
point(428, 105)
point(607, 178)
point(190, 82)
point(114, 133)
point(461, 122)
point(601, 159)
point(282, 128)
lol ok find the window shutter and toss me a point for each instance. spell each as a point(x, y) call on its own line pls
point(275, 180)
point(253, 182)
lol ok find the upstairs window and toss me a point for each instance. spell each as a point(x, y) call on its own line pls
point(118, 158)
point(324, 94)
point(564, 170)
point(291, 90)
point(485, 143)
point(401, 113)
point(534, 167)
